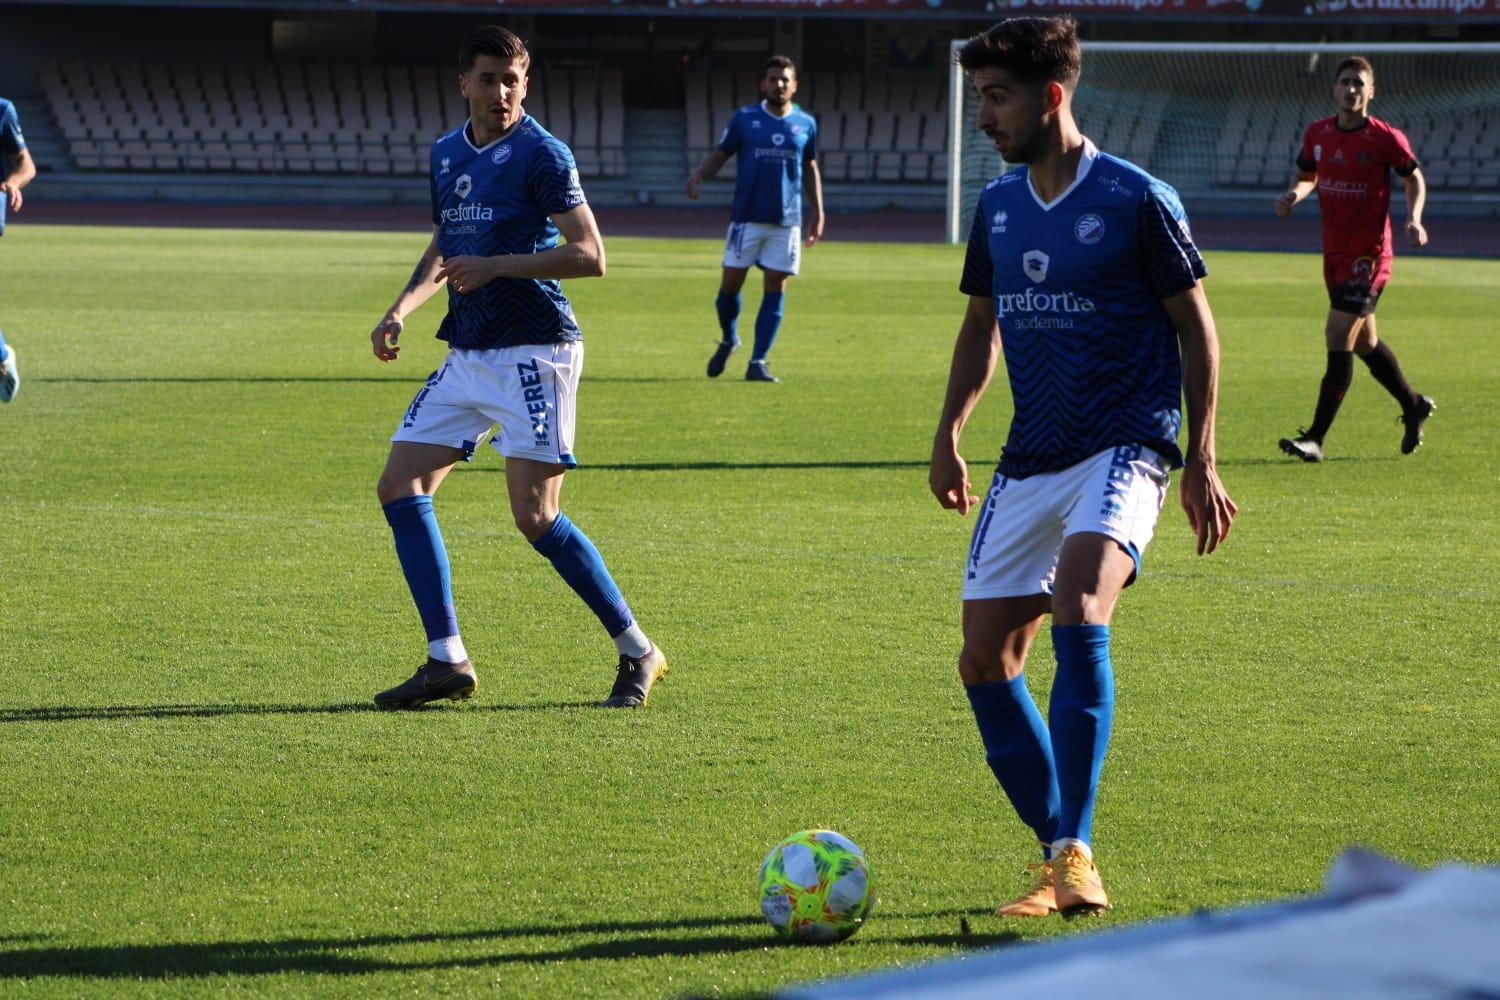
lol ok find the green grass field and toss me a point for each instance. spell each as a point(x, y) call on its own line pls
point(199, 596)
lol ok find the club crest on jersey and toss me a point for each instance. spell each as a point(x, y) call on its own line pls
point(463, 186)
point(446, 165)
point(997, 221)
point(1089, 229)
point(500, 155)
point(1034, 263)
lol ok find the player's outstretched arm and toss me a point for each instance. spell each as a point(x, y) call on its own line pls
point(419, 288)
point(1204, 499)
point(1301, 189)
point(582, 256)
point(710, 167)
point(1416, 200)
point(815, 195)
point(974, 357)
point(22, 171)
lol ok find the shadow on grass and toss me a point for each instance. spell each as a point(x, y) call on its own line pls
point(133, 379)
point(65, 713)
point(340, 956)
point(719, 466)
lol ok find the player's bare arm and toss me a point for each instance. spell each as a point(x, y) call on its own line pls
point(582, 256)
point(1303, 187)
point(708, 169)
point(1416, 201)
point(975, 355)
point(419, 288)
point(815, 195)
point(1207, 504)
point(22, 170)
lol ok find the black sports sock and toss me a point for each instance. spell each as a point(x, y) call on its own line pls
point(1387, 371)
point(1336, 382)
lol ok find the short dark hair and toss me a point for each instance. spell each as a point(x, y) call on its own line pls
point(778, 62)
point(1031, 49)
point(492, 40)
point(1355, 62)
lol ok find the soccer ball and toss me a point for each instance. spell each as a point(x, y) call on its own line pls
point(816, 886)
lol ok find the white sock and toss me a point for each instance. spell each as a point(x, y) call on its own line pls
point(1066, 842)
point(633, 642)
point(449, 650)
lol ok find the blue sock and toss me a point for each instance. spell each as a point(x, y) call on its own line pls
point(2, 341)
point(767, 323)
point(729, 312)
point(1018, 751)
point(1083, 705)
point(580, 564)
point(424, 560)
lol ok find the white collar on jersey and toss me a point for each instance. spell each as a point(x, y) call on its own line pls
point(780, 118)
point(1085, 163)
point(468, 130)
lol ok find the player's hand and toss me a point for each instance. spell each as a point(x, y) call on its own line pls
point(694, 184)
point(948, 478)
point(1284, 204)
point(13, 196)
point(1209, 509)
point(1416, 234)
point(466, 273)
point(815, 231)
point(383, 338)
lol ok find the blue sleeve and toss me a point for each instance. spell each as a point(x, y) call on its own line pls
point(810, 151)
point(432, 187)
point(729, 142)
point(12, 142)
point(979, 270)
point(552, 178)
point(1168, 255)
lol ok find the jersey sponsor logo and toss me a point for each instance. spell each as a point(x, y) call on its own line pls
point(778, 139)
point(463, 186)
point(1034, 263)
point(1033, 301)
point(1089, 229)
point(447, 165)
point(501, 154)
point(477, 212)
point(997, 222)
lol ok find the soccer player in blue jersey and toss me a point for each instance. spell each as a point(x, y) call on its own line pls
point(1082, 270)
point(17, 170)
point(774, 142)
point(503, 190)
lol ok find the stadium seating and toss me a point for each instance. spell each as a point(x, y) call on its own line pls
point(314, 119)
point(891, 129)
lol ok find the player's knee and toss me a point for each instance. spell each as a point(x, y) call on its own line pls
point(975, 667)
point(532, 522)
point(389, 489)
point(1081, 608)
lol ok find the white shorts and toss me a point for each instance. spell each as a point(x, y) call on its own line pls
point(1022, 522)
point(775, 248)
point(531, 391)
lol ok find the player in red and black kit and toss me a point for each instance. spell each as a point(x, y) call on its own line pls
point(1348, 159)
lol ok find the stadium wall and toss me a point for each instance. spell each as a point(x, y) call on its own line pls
point(657, 58)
